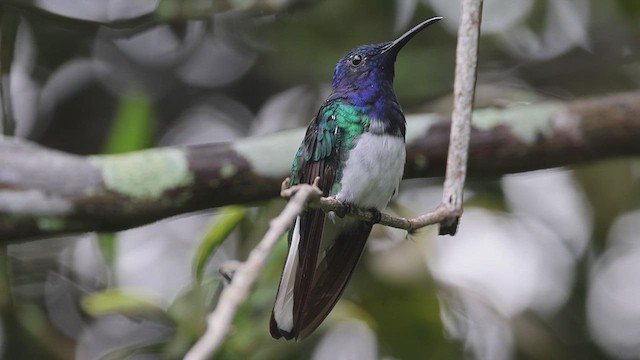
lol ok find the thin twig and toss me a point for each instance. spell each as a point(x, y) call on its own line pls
point(327, 204)
point(219, 321)
point(464, 90)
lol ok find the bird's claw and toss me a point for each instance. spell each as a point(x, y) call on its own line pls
point(377, 215)
point(344, 210)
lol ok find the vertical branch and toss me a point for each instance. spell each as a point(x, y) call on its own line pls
point(464, 90)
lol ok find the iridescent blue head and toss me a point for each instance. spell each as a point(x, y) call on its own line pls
point(365, 74)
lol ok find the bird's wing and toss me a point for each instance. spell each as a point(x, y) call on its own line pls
point(310, 287)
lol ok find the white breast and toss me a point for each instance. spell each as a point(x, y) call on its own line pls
point(373, 171)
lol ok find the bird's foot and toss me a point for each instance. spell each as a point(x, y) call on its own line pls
point(344, 210)
point(377, 215)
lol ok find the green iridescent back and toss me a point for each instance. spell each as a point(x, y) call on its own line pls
point(337, 125)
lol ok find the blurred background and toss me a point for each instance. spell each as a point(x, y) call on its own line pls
point(545, 264)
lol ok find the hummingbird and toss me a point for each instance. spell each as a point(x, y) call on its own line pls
point(355, 145)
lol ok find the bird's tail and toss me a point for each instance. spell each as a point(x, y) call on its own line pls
point(310, 285)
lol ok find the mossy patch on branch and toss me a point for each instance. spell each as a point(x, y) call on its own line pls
point(130, 174)
point(525, 122)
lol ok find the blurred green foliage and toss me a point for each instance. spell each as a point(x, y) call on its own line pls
point(133, 125)
point(227, 220)
point(119, 301)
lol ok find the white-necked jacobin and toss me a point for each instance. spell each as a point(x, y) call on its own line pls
point(355, 145)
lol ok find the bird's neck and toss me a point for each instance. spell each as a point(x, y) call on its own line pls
point(376, 103)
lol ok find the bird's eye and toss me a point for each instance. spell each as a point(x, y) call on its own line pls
point(356, 59)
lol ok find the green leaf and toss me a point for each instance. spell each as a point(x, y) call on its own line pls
point(107, 245)
point(227, 220)
point(133, 126)
point(118, 301)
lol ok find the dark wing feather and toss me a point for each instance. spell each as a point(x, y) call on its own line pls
point(318, 156)
point(332, 275)
point(311, 229)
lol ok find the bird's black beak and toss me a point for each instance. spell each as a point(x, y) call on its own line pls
point(394, 47)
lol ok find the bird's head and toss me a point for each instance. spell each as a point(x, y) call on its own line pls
point(369, 67)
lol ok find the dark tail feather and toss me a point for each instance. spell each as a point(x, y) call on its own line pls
point(331, 278)
point(298, 273)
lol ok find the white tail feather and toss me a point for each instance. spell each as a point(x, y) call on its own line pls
point(283, 307)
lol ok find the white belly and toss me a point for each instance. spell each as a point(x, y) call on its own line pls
point(373, 171)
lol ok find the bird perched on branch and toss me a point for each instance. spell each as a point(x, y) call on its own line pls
point(355, 145)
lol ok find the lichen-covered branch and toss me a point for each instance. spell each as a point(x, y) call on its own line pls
point(43, 191)
point(532, 137)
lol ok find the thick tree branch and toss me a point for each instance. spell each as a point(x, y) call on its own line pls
point(44, 192)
